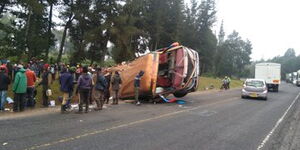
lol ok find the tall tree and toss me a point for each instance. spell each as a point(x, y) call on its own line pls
point(79, 29)
point(50, 35)
point(234, 55)
point(221, 36)
point(207, 39)
point(101, 20)
point(67, 15)
point(127, 32)
point(164, 22)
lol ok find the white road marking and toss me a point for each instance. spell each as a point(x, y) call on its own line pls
point(266, 139)
point(64, 140)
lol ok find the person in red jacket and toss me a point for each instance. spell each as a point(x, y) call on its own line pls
point(31, 79)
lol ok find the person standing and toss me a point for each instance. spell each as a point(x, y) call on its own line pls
point(116, 81)
point(78, 72)
point(31, 79)
point(4, 82)
point(10, 69)
point(53, 73)
point(19, 89)
point(137, 85)
point(84, 86)
point(91, 72)
point(46, 81)
point(66, 86)
point(107, 91)
point(99, 88)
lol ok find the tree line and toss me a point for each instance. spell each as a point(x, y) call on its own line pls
point(27, 29)
point(289, 62)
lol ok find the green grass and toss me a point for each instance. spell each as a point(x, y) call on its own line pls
point(207, 82)
point(55, 93)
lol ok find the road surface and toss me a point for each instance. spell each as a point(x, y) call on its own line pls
point(218, 120)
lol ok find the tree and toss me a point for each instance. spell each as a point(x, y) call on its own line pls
point(207, 40)
point(163, 22)
point(127, 32)
point(221, 36)
point(79, 29)
point(233, 56)
point(101, 20)
point(289, 62)
point(67, 15)
point(290, 53)
point(50, 35)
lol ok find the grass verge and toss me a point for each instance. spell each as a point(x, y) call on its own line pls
point(208, 83)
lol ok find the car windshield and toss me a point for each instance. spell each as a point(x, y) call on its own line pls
point(255, 83)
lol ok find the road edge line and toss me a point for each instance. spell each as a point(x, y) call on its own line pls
point(266, 139)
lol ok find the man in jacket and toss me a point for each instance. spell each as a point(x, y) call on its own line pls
point(137, 85)
point(19, 89)
point(116, 82)
point(106, 96)
point(84, 87)
point(66, 86)
point(99, 88)
point(4, 82)
point(46, 81)
point(31, 79)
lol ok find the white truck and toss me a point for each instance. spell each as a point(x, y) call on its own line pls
point(297, 78)
point(271, 73)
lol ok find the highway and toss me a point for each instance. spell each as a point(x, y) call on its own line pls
point(213, 120)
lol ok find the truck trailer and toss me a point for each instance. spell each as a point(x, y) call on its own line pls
point(271, 73)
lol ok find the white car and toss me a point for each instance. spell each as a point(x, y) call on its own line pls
point(255, 88)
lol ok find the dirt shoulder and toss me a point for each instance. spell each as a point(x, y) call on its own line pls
point(52, 110)
point(287, 137)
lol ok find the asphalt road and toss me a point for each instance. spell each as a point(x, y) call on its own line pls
point(209, 121)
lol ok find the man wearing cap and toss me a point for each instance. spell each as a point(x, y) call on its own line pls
point(4, 82)
point(19, 89)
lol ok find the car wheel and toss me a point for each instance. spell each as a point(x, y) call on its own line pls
point(265, 98)
point(180, 94)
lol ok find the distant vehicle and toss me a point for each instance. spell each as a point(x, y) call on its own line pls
point(271, 73)
point(294, 77)
point(298, 78)
point(288, 78)
point(172, 70)
point(255, 88)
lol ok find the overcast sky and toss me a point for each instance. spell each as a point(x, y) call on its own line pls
point(272, 26)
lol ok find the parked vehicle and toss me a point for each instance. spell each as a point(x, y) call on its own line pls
point(271, 73)
point(298, 78)
point(288, 78)
point(294, 77)
point(255, 88)
point(167, 71)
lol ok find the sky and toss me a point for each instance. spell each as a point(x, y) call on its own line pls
point(272, 26)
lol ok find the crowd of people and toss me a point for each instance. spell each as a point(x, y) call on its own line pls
point(91, 84)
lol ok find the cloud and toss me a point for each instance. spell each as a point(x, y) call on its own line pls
point(271, 25)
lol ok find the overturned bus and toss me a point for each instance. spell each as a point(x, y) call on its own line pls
point(167, 71)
